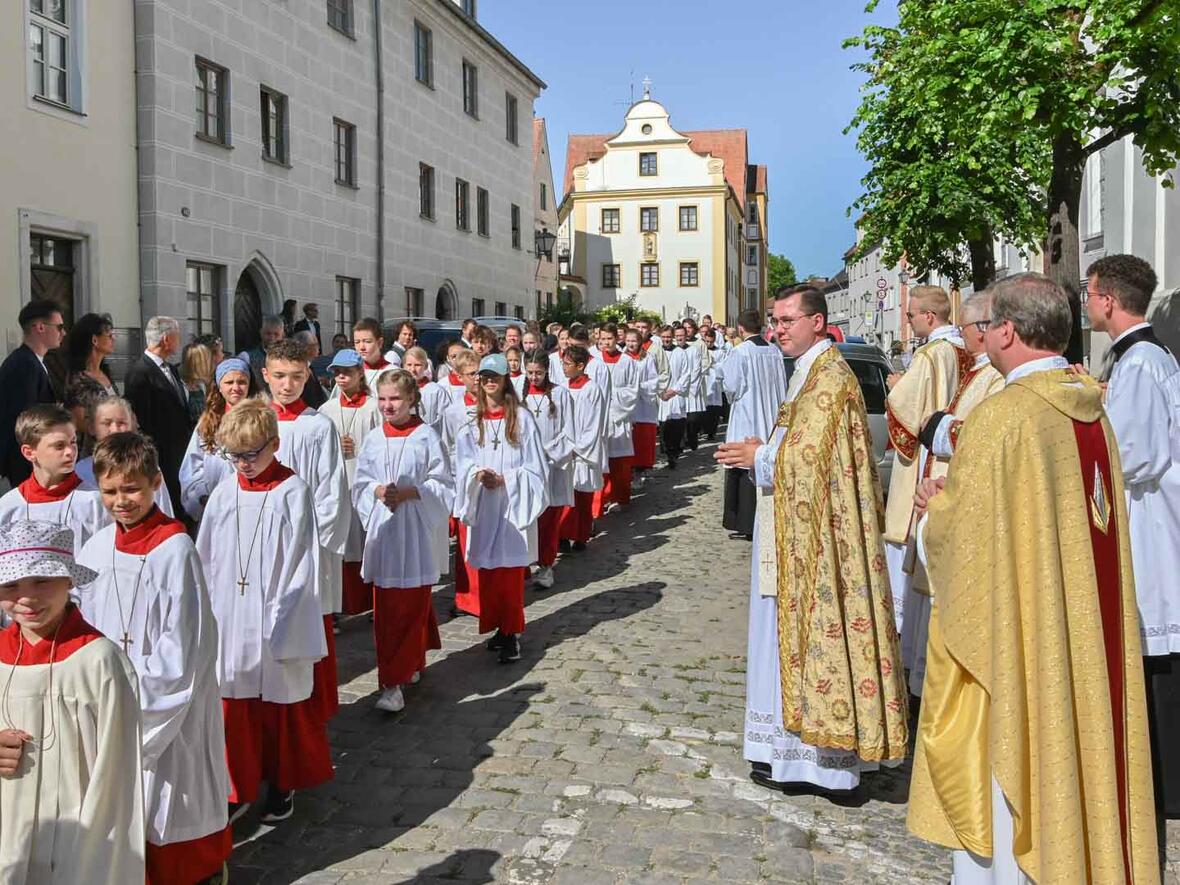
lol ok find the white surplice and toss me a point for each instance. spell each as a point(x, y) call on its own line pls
point(309, 446)
point(502, 522)
point(433, 404)
point(80, 510)
point(713, 389)
point(647, 404)
point(74, 813)
point(1143, 402)
point(679, 382)
point(153, 590)
point(353, 419)
point(401, 547)
point(270, 632)
point(200, 472)
point(519, 381)
point(624, 394)
point(85, 470)
point(598, 371)
point(453, 386)
point(755, 380)
point(699, 360)
point(554, 413)
point(590, 416)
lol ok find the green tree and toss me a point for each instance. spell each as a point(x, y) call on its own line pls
point(1036, 88)
point(780, 272)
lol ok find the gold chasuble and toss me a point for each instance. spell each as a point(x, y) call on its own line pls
point(1034, 675)
point(842, 684)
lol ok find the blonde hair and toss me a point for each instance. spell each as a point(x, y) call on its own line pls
point(113, 401)
point(36, 421)
point(933, 299)
point(465, 359)
point(249, 424)
point(196, 366)
point(402, 381)
point(417, 353)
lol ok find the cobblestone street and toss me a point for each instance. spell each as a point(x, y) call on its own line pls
point(610, 753)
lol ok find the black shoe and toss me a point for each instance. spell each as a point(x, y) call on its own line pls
point(237, 809)
point(496, 642)
point(564, 544)
point(510, 650)
point(671, 464)
point(764, 767)
point(763, 779)
point(279, 806)
point(579, 546)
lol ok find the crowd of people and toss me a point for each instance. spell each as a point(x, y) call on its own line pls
point(180, 574)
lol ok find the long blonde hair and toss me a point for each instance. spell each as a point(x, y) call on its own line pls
point(196, 367)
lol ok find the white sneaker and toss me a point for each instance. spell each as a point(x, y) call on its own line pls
point(416, 678)
point(544, 577)
point(391, 700)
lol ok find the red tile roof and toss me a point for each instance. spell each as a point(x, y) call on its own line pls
point(728, 145)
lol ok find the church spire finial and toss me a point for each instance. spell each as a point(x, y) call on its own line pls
point(647, 88)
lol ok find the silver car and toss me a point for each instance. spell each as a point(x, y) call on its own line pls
point(872, 367)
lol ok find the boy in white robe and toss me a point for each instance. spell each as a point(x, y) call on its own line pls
point(590, 457)
point(258, 542)
point(54, 492)
point(552, 408)
point(150, 598)
point(674, 399)
point(403, 492)
point(368, 341)
point(202, 467)
point(697, 356)
point(455, 417)
point(449, 378)
point(645, 420)
point(353, 412)
point(311, 449)
point(624, 395)
point(113, 414)
point(69, 707)
point(500, 493)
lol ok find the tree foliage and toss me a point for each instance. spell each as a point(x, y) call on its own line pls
point(780, 272)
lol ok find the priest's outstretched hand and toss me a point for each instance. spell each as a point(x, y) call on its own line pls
point(738, 454)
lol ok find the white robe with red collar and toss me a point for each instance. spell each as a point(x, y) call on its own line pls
point(554, 414)
point(354, 418)
point(200, 472)
point(590, 416)
point(624, 396)
point(71, 504)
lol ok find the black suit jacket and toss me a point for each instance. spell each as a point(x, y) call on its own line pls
point(313, 326)
point(23, 383)
point(162, 415)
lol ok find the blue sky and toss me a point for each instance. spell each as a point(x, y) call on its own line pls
point(774, 67)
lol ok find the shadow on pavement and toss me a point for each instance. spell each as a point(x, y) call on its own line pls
point(471, 865)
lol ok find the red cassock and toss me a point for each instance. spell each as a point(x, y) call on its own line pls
point(404, 627)
point(577, 521)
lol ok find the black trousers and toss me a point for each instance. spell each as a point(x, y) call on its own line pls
point(1162, 681)
point(741, 498)
point(692, 430)
point(672, 432)
point(711, 422)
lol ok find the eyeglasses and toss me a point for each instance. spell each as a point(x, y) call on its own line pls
point(244, 457)
point(981, 326)
point(787, 322)
point(484, 379)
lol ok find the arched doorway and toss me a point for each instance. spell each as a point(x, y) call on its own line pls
point(446, 303)
point(258, 293)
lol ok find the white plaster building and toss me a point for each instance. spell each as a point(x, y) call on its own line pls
point(278, 187)
point(544, 216)
point(659, 214)
point(67, 174)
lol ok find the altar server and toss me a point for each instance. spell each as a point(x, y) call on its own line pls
point(449, 378)
point(202, 467)
point(552, 408)
point(674, 399)
point(433, 399)
point(500, 493)
point(368, 341)
point(590, 446)
point(458, 414)
point(150, 598)
point(113, 414)
point(624, 394)
point(645, 426)
point(404, 493)
point(258, 544)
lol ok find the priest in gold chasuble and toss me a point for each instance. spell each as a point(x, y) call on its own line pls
point(1032, 756)
point(825, 693)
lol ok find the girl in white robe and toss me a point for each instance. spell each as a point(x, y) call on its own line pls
point(515, 359)
point(645, 420)
point(432, 398)
point(590, 458)
point(257, 542)
point(353, 412)
point(113, 414)
point(150, 597)
point(501, 491)
point(72, 802)
point(552, 408)
point(624, 394)
point(202, 467)
point(404, 493)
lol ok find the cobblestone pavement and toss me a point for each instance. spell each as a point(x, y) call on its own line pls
point(610, 753)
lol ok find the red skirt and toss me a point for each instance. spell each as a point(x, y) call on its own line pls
point(189, 862)
point(501, 592)
point(577, 521)
point(548, 535)
point(324, 694)
point(358, 594)
point(285, 745)
point(616, 485)
point(466, 577)
point(404, 627)
point(643, 439)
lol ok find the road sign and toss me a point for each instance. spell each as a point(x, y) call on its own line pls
point(880, 304)
point(882, 283)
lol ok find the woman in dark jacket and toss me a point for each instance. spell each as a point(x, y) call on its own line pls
point(87, 345)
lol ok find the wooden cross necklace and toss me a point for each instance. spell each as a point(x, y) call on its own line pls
point(125, 623)
point(243, 569)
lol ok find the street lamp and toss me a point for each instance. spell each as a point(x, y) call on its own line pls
point(543, 240)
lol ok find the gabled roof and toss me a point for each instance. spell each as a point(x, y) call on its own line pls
point(538, 137)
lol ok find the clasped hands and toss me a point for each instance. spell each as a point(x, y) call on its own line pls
point(489, 479)
point(392, 496)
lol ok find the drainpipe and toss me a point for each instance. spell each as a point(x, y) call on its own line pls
point(380, 82)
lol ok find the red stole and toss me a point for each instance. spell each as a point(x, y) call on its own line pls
point(152, 531)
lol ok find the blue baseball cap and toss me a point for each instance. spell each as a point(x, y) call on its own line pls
point(493, 364)
point(346, 359)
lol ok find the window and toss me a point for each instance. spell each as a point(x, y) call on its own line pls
point(204, 308)
point(510, 117)
point(211, 102)
point(518, 312)
point(348, 304)
point(538, 302)
point(688, 217)
point(610, 221)
point(544, 196)
point(647, 164)
point(481, 211)
point(345, 138)
point(52, 263)
point(751, 255)
point(477, 307)
point(426, 191)
point(515, 226)
point(423, 54)
point(501, 309)
point(1093, 196)
point(549, 300)
point(752, 213)
point(649, 274)
point(462, 204)
point(649, 219)
point(471, 89)
point(415, 299)
point(340, 16)
point(689, 273)
point(274, 125)
point(612, 276)
point(49, 48)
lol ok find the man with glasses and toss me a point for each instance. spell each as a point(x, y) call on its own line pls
point(25, 380)
point(1143, 402)
point(825, 696)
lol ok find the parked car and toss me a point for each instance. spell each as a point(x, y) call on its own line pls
point(433, 334)
point(872, 367)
